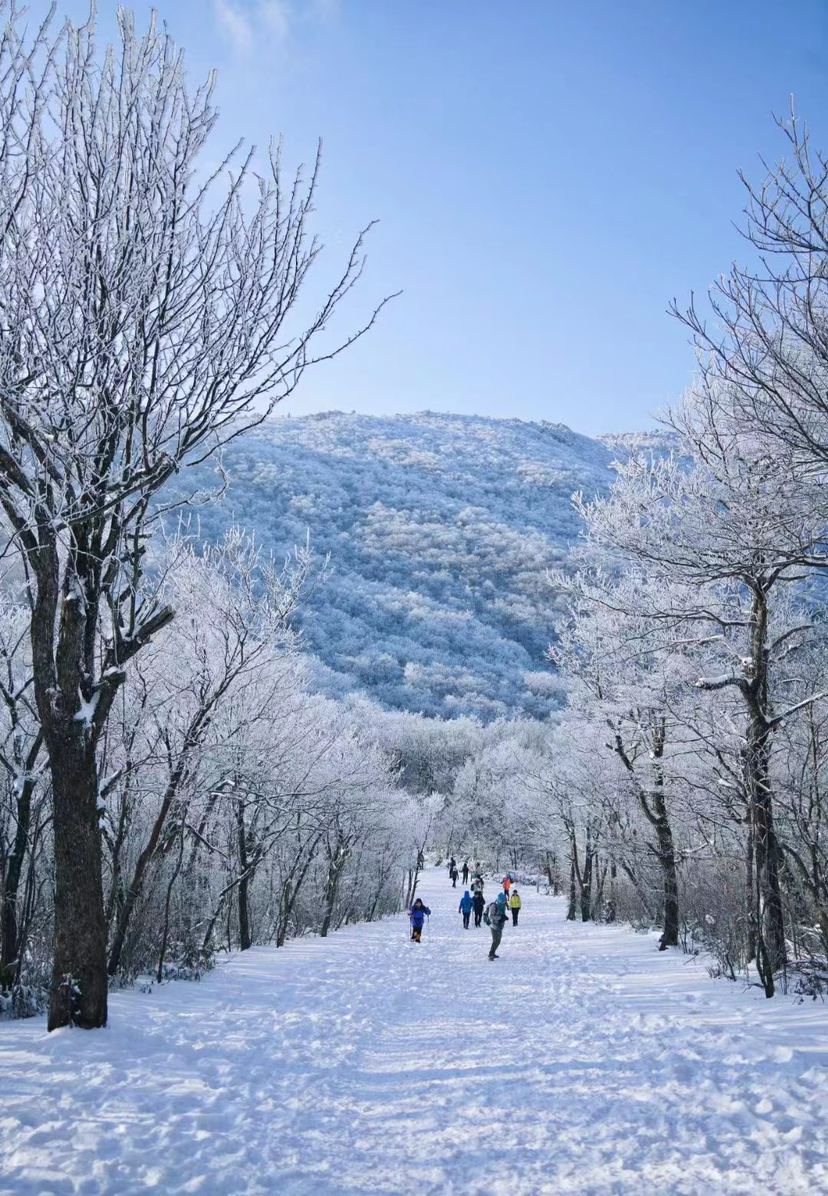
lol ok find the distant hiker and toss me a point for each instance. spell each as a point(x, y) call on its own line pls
point(417, 916)
point(454, 874)
point(514, 905)
point(496, 916)
point(507, 884)
point(452, 864)
point(477, 883)
point(466, 905)
point(465, 872)
point(479, 902)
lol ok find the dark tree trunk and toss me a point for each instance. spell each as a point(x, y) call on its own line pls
point(552, 874)
point(165, 937)
point(79, 980)
point(771, 953)
point(336, 863)
point(245, 939)
point(572, 908)
point(11, 922)
point(666, 846)
point(654, 808)
point(750, 890)
point(586, 879)
point(669, 876)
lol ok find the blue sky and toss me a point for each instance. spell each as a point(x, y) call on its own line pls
point(548, 174)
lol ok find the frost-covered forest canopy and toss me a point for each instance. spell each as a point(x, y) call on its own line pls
point(440, 532)
point(253, 671)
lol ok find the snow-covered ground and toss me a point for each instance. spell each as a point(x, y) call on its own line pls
point(580, 1061)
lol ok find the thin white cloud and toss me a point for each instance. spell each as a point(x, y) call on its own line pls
point(247, 23)
point(235, 24)
point(275, 16)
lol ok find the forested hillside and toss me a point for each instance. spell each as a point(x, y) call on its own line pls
point(440, 530)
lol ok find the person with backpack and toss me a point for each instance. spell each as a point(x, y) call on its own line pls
point(514, 905)
point(477, 884)
point(479, 904)
point(507, 884)
point(496, 917)
point(465, 907)
point(465, 872)
point(417, 916)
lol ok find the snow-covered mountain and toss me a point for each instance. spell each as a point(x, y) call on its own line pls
point(440, 530)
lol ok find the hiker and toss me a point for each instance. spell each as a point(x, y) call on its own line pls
point(465, 872)
point(417, 916)
point(507, 884)
point(452, 864)
point(477, 883)
point(514, 905)
point(465, 907)
point(479, 903)
point(454, 874)
point(496, 917)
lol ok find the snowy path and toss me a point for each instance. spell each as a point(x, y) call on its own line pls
point(580, 1061)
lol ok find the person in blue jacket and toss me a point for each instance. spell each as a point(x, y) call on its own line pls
point(466, 905)
point(417, 916)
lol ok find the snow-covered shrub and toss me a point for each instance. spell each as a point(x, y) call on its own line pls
point(23, 1000)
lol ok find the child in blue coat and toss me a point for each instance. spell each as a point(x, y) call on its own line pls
point(466, 905)
point(417, 916)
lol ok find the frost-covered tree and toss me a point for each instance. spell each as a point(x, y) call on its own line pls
point(149, 310)
point(619, 676)
point(212, 684)
point(725, 526)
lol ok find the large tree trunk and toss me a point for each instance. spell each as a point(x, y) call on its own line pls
point(63, 660)
point(771, 953)
point(669, 877)
point(79, 979)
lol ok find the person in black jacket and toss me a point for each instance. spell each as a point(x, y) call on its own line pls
point(478, 904)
